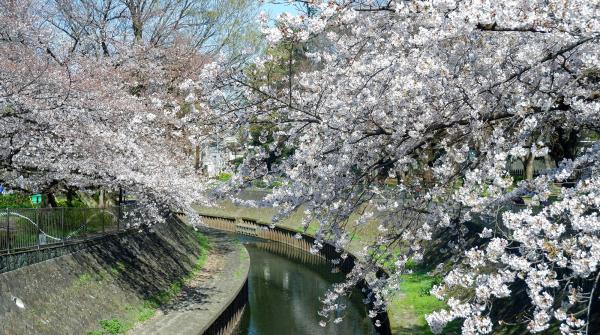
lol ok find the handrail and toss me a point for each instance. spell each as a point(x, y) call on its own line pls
point(23, 229)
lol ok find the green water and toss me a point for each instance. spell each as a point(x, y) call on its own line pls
point(284, 294)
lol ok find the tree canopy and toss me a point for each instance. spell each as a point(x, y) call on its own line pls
point(441, 95)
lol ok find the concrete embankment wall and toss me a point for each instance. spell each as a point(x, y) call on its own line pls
point(70, 294)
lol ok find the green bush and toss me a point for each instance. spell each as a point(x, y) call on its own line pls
point(15, 200)
point(223, 176)
point(20, 200)
point(435, 281)
point(62, 202)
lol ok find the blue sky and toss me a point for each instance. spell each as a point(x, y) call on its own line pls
point(276, 9)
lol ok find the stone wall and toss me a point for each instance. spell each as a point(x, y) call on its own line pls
point(70, 294)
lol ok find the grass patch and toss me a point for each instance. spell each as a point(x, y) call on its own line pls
point(407, 310)
point(112, 326)
point(84, 278)
point(223, 176)
point(145, 313)
point(204, 249)
point(165, 296)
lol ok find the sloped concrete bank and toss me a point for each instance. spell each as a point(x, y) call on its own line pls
point(111, 280)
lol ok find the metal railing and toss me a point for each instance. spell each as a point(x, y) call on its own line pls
point(23, 229)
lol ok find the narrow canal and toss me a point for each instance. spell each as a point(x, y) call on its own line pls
point(285, 285)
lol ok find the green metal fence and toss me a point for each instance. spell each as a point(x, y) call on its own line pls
point(27, 228)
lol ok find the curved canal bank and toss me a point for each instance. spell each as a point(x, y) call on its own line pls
point(285, 285)
point(289, 238)
point(407, 309)
point(165, 278)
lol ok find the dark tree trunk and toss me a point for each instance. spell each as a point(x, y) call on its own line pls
point(136, 9)
point(197, 158)
point(528, 167)
point(565, 146)
point(70, 197)
point(51, 199)
point(105, 49)
point(136, 24)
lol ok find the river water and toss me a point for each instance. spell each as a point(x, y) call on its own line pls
point(284, 290)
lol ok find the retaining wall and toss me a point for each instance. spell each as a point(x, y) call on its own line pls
point(71, 293)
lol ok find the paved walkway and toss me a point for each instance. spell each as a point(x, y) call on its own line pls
point(206, 295)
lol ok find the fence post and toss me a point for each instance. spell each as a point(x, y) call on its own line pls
point(119, 217)
point(38, 223)
point(62, 224)
point(8, 229)
point(85, 215)
point(102, 212)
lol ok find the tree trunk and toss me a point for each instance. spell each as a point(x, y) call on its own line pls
point(135, 10)
point(197, 158)
point(105, 49)
point(51, 199)
point(70, 197)
point(548, 162)
point(136, 24)
point(528, 166)
point(565, 146)
point(101, 199)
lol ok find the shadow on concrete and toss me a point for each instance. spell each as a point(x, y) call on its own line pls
point(148, 262)
point(195, 297)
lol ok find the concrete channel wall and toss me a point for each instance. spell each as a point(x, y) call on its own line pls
point(71, 293)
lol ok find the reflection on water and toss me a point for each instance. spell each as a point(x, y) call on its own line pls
point(284, 297)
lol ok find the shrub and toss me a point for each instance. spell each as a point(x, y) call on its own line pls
point(223, 176)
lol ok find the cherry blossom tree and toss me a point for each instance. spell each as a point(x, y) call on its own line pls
point(441, 95)
point(70, 120)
